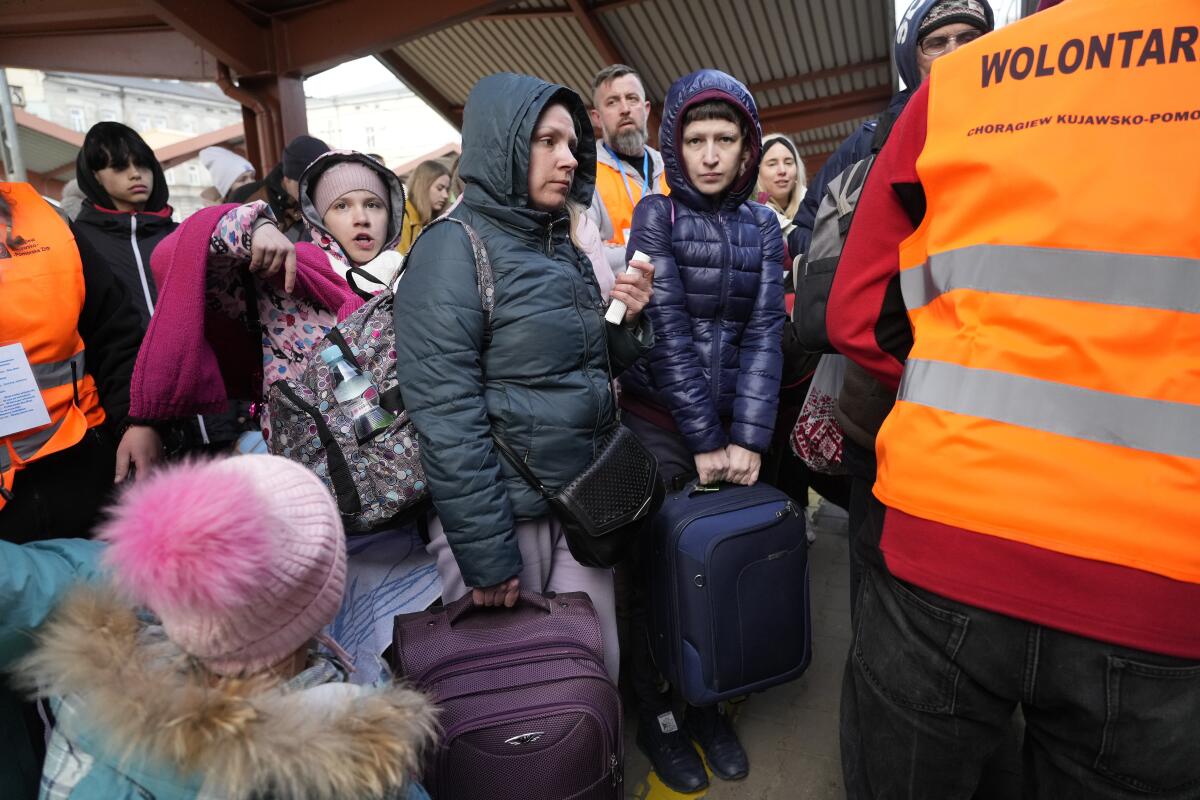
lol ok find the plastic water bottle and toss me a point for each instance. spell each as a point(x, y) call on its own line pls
point(357, 396)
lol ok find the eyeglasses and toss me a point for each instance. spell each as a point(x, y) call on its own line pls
point(936, 45)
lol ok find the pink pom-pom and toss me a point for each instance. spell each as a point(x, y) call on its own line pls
point(192, 536)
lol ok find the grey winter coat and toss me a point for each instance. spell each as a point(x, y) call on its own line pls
point(543, 381)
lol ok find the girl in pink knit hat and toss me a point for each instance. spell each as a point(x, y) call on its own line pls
point(245, 306)
point(192, 673)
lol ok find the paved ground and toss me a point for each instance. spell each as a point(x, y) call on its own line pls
point(789, 732)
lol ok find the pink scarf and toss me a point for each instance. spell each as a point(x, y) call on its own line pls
point(192, 361)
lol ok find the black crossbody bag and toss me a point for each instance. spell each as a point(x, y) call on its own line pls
point(603, 509)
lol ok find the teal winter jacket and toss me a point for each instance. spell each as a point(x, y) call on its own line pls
point(543, 381)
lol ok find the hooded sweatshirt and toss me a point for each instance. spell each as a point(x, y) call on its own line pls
point(542, 382)
point(717, 308)
point(125, 239)
point(857, 146)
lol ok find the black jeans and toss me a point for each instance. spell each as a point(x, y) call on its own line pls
point(931, 685)
point(61, 495)
point(860, 464)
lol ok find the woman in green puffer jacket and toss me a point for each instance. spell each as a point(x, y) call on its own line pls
point(542, 383)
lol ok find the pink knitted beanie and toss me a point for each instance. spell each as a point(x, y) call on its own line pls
point(243, 559)
point(348, 176)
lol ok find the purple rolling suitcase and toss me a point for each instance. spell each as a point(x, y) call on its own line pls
point(527, 708)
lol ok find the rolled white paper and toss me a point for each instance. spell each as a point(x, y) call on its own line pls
point(616, 309)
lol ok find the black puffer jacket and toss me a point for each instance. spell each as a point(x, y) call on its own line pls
point(125, 240)
point(542, 384)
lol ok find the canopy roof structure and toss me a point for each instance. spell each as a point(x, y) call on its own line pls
point(816, 67)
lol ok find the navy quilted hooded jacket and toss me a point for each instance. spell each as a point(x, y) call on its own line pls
point(717, 308)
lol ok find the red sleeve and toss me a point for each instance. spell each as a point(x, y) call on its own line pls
point(866, 317)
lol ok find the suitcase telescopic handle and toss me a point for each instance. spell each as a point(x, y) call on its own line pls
point(463, 608)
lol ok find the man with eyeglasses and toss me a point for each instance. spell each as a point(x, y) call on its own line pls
point(928, 30)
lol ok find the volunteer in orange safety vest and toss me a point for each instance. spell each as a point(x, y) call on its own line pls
point(1039, 530)
point(68, 341)
point(627, 168)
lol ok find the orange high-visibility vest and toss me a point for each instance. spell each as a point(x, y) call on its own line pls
point(42, 292)
point(1052, 394)
point(620, 194)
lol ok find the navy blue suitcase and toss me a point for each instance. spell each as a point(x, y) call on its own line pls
point(729, 608)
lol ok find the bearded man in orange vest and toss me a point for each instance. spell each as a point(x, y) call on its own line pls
point(1037, 528)
point(68, 341)
point(627, 168)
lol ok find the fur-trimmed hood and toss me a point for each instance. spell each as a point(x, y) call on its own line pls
point(138, 702)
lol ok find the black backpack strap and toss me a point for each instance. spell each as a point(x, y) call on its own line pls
point(883, 129)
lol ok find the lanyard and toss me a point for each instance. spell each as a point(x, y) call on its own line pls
point(647, 183)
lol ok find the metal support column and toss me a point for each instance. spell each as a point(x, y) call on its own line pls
point(14, 165)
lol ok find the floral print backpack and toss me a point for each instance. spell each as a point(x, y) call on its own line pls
point(380, 483)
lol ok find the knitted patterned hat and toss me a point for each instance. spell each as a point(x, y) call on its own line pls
point(348, 176)
point(948, 12)
point(243, 559)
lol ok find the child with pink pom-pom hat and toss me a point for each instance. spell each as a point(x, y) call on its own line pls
point(190, 670)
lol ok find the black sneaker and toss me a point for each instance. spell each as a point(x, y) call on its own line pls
point(671, 753)
point(713, 732)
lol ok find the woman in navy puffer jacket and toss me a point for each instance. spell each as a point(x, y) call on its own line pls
point(713, 374)
point(705, 396)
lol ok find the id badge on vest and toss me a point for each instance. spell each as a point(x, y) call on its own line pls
point(21, 404)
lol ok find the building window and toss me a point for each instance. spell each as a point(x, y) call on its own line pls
point(370, 132)
point(193, 175)
point(143, 122)
point(189, 124)
point(78, 121)
point(108, 115)
point(170, 173)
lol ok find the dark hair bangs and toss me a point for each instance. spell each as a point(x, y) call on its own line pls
point(111, 144)
point(717, 109)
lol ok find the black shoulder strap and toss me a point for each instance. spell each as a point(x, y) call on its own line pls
point(354, 272)
point(883, 129)
point(520, 466)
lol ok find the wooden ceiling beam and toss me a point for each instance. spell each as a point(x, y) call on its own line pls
point(817, 75)
point(596, 34)
point(222, 28)
point(825, 111)
point(145, 54)
point(325, 35)
point(421, 87)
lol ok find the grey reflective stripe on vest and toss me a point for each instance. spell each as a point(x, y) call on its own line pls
point(48, 376)
point(1155, 426)
point(58, 373)
point(27, 446)
point(1121, 279)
